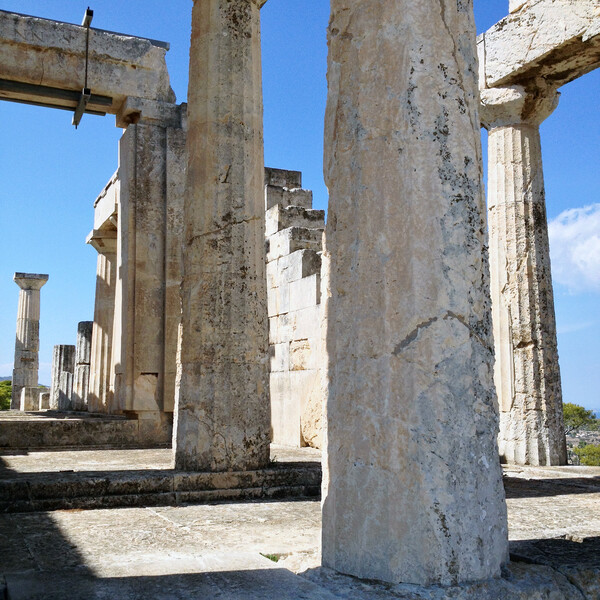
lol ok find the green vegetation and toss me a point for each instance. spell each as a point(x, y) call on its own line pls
point(589, 455)
point(273, 557)
point(576, 417)
point(5, 392)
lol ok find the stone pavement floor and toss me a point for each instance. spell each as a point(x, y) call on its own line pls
point(228, 550)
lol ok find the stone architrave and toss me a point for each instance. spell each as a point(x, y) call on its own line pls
point(82, 365)
point(222, 410)
point(63, 361)
point(27, 342)
point(527, 373)
point(412, 483)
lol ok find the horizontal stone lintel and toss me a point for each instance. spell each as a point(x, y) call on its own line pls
point(554, 40)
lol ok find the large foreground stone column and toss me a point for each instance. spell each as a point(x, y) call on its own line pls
point(222, 412)
point(413, 487)
point(27, 343)
point(527, 374)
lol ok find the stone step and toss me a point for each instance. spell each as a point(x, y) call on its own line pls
point(281, 217)
point(291, 239)
point(64, 490)
point(287, 197)
point(217, 579)
point(56, 430)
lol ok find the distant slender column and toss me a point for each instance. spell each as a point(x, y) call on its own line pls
point(100, 394)
point(27, 343)
point(222, 416)
point(413, 487)
point(82, 365)
point(527, 373)
point(63, 361)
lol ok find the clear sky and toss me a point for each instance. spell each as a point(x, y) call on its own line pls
point(51, 173)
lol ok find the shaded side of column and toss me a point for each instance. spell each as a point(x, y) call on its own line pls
point(100, 397)
point(27, 341)
point(413, 487)
point(527, 372)
point(82, 365)
point(222, 411)
point(63, 364)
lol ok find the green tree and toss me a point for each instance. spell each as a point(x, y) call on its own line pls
point(576, 417)
point(5, 392)
point(589, 455)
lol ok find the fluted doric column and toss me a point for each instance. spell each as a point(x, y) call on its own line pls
point(412, 483)
point(222, 413)
point(100, 396)
point(527, 374)
point(27, 343)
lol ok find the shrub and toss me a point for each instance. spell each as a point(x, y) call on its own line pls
point(589, 455)
point(5, 392)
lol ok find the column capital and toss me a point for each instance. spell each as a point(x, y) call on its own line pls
point(30, 281)
point(514, 105)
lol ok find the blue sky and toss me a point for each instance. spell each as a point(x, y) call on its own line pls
point(51, 173)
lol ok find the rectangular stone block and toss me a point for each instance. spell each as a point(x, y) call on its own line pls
point(302, 385)
point(278, 299)
point(305, 292)
point(281, 217)
point(304, 354)
point(280, 357)
point(272, 272)
point(285, 411)
point(29, 398)
point(283, 178)
point(280, 328)
point(304, 323)
point(287, 197)
point(299, 264)
point(292, 239)
point(44, 400)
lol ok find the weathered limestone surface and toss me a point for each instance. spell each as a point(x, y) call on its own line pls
point(294, 296)
point(222, 411)
point(527, 372)
point(411, 413)
point(27, 342)
point(555, 40)
point(29, 398)
point(44, 400)
point(82, 365)
point(151, 176)
point(47, 53)
point(63, 361)
point(101, 384)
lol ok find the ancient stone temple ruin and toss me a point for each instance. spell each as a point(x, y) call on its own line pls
point(229, 318)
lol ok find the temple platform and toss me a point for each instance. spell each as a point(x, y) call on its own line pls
point(177, 541)
point(50, 429)
point(87, 479)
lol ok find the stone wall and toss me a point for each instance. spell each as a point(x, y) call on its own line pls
point(293, 231)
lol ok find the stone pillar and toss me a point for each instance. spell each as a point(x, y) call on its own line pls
point(27, 343)
point(222, 414)
point(63, 361)
point(527, 374)
point(82, 365)
point(412, 483)
point(100, 398)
